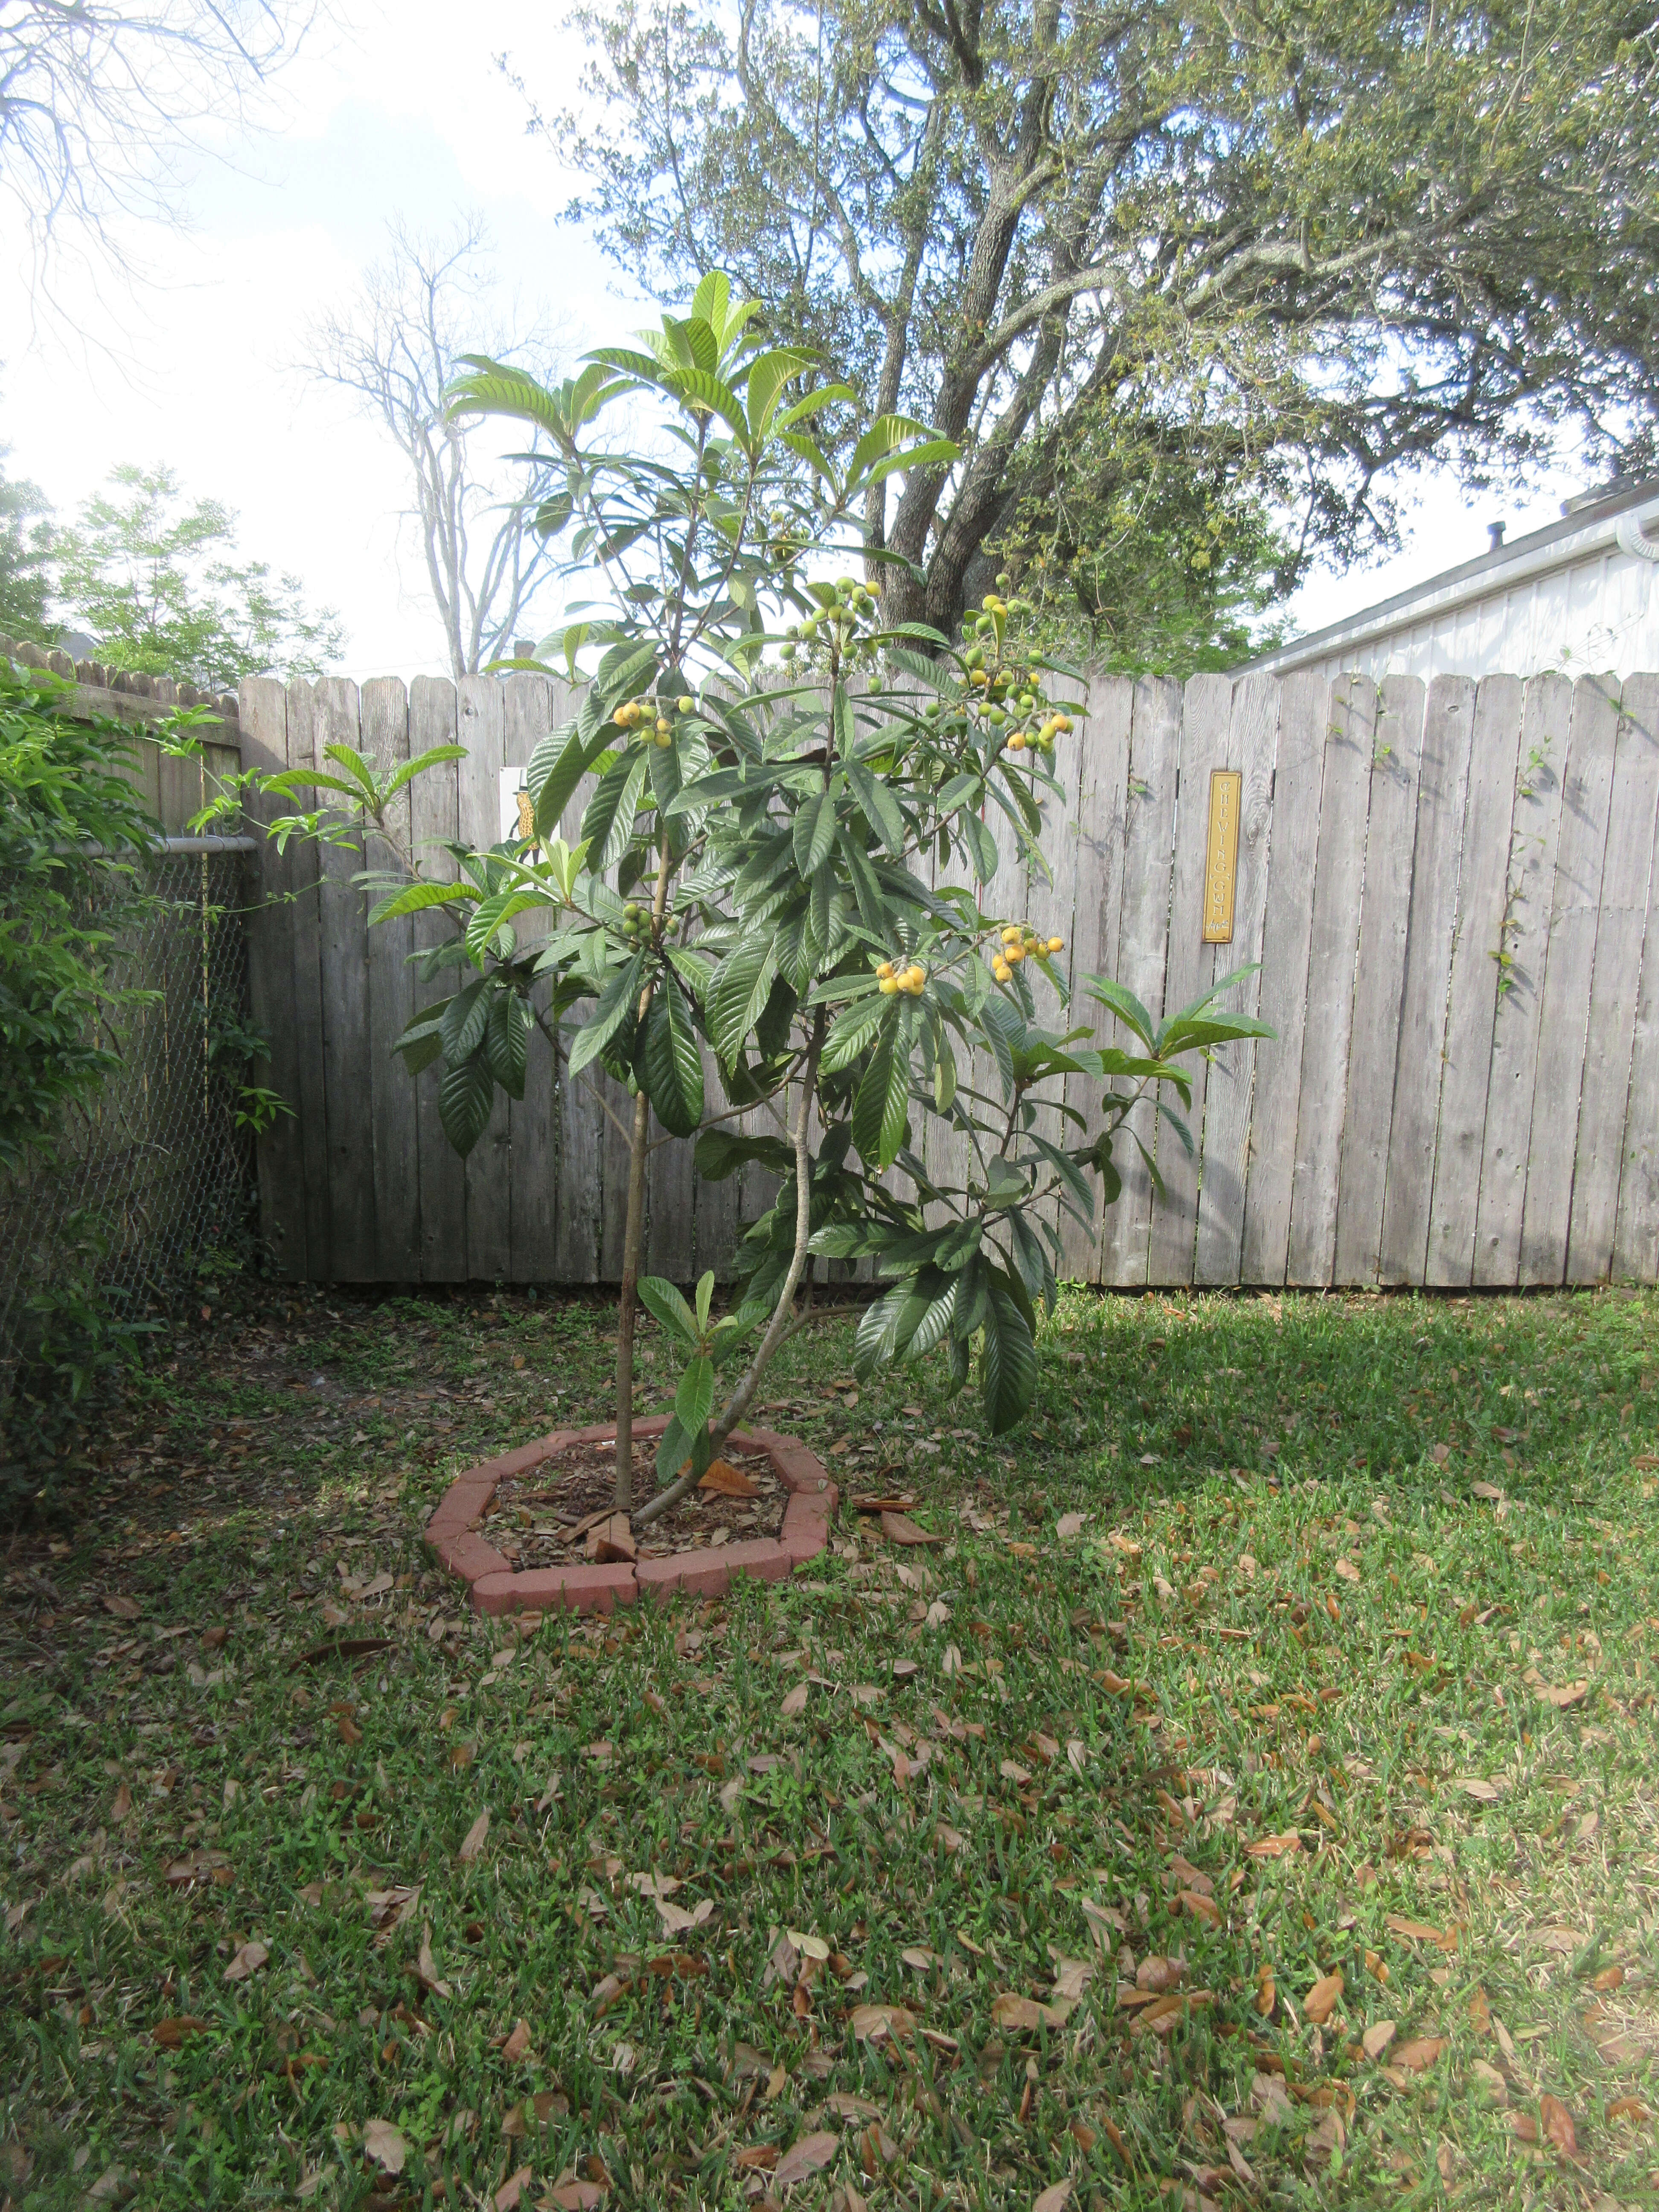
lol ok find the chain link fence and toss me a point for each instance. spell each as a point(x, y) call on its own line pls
point(156, 1172)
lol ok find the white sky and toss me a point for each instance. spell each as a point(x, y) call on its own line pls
point(403, 115)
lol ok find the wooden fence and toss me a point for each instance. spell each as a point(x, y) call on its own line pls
point(1452, 896)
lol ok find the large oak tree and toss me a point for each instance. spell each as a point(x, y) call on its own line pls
point(1282, 248)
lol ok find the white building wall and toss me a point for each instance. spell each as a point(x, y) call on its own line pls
point(1597, 615)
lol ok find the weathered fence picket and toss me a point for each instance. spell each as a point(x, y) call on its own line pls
point(1453, 897)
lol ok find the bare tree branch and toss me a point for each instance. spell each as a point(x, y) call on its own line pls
point(394, 350)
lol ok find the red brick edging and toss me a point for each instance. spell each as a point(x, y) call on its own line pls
point(498, 1587)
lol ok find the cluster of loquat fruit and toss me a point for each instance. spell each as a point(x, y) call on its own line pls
point(1020, 943)
point(1010, 694)
point(891, 977)
point(652, 716)
point(845, 624)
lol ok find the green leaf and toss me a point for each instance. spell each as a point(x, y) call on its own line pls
point(678, 1444)
point(615, 1007)
point(722, 1153)
point(1124, 1003)
point(882, 1105)
point(465, 1098)
point(705, 1297)
point(433, 757)
point(556, 767)
point(494, 914)
point(419, 1052)
point(669, 1065)
point(664, 1302)
point(982, 846)
point(694, 1397)
point(880, 809)
point(815, 832)
point(739, 996)
point(1007, 1359)
point(464, 1022)
point(418, 896)
point(506, 1041)
point(847, 1039)
point(609, 822)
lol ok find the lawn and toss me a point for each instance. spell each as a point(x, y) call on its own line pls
point(1252, 1798)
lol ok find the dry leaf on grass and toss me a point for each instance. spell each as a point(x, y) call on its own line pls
point(871, 2022)
point(1346, 1569)
point(900, 1528)
point(1157, 1974)
point(1201, 1907)
point(1557, 2125)
point(426, 1967)
point(517, 2044)
point(1569, 1694)
point(796, 1701)
point(575, 2196)
point(172, 2032)
point(756, 2157)
point(1274, 1847)
point(124, 1608)
point(1267, 1991)
point(383, 2143)
point(1067, 1525)
point(1321, 2000)
point(1419, 2054)
point(1013, 2011)
point(248, 1960)
point(507, 2197)
point(1378, 2037)
point(121, 1803)
point(805, 2157)
point(1054, 2199)
point(473, 1842)
point(1415, 1931)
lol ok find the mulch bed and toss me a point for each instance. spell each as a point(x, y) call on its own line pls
point(539, 1519)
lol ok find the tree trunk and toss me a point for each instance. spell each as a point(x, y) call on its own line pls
point(633, 1236)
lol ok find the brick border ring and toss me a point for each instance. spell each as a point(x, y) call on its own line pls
point(498, 1587)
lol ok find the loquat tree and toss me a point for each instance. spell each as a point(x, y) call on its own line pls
point(785, 783)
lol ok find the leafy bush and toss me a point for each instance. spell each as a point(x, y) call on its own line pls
point(71, 826)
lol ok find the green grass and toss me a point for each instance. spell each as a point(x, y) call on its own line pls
point(1289, 1612)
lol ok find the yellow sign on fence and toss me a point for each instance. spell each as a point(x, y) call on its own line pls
point(1221, 854)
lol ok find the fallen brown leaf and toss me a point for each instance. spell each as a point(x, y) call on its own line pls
point(124, 1608)
point(171, 2032)
point(383, 2143)
point(1267, 1991)
point(900, 1528)
point(796, 1701)
point(473, 1842)
point(805, 2157)
point(1013, 2011)
point(871, 2022)
point(121, 1804)
point(517, 2044)
point(1421, 2053)
point(1156, 1973)
point(727, 1481)
point(1275, 1847)
point(1054, 2198)
point(248, 1960)
point(1378, 2037)
point(1569, 1694)
point(506, 2198)
point(1067, 1525)
point(1321, 2000)
point(1557, 2125)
